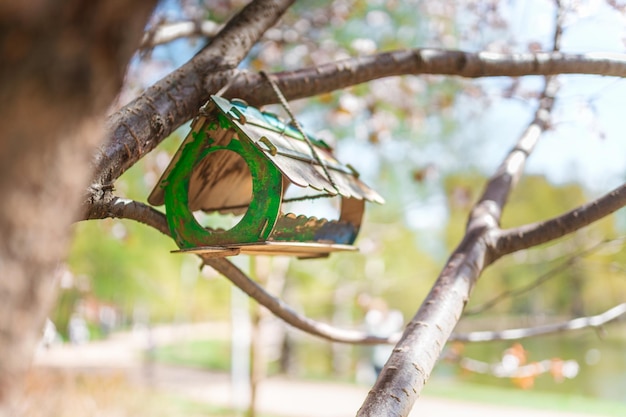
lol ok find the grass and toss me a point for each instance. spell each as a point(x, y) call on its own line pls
point(451, 389)
point(215, 355)
point(205, 354)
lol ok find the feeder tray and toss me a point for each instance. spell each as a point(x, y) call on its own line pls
point(239, 160)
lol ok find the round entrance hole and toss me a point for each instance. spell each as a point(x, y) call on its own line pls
point(220, 190)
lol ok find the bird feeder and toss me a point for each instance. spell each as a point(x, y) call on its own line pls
point(239, 160)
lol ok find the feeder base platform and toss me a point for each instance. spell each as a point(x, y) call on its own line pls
point(272, 248)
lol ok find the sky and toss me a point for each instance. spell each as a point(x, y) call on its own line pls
point(586, 143)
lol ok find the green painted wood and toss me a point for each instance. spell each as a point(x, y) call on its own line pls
point(258, 221)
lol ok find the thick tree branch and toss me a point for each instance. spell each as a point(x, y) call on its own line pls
point(122, 208)
point(333, 76)
point(415, 355)
point(62, 65)
point(420, 346)
point(523, 333)
point(138, 127)
point(523, 237)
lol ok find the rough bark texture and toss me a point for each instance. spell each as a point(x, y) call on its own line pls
point(138, 127)
point(62, 64)
point(333, 76)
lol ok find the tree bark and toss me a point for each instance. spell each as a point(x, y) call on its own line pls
point(62, 64)
point(141, 125)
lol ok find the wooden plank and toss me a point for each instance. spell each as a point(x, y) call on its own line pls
point(294, 159)
point(156, 197)
point(221, 179)
point(269, 248)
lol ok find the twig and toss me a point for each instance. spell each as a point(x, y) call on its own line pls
point(523, 237)
point(122, 208)
point(286, 313)
point(541, 279)
point(528, 371)
point(524, 333)
point(134, 210)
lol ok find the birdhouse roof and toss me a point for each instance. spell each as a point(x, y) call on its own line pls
point(285, 147)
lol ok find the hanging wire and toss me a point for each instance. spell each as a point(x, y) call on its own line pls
point(287, 200)
point(285, 105)
point(294, 121)
point(221, 91)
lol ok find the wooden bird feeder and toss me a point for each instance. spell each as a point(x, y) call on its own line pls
point(239, 160)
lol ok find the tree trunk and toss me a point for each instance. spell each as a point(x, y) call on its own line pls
point(61, 65)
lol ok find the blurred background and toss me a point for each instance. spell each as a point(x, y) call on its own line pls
point(427, 144)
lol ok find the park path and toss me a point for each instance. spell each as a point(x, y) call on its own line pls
point(280, 396)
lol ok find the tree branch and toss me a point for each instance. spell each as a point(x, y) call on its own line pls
point(542, 278)
point(524, 372)
point(407, 370)
point(286, 313)
point(510, 171)
point(122, 208)
point(138, 127)
point(144, 123)
point(420, 346)
point(333, 76)
point(523, 333)
point(523, 237)
point(128, 209)
point(489, 206)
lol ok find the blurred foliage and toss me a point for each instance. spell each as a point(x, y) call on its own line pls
point(408, 137)
point(564, 402)
point(601, 362)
